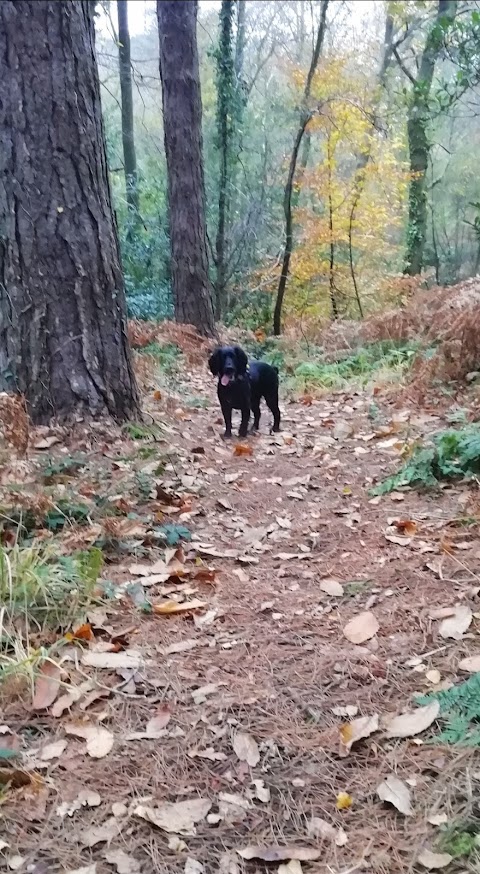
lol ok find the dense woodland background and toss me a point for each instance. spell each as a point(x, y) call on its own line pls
point(382, 69)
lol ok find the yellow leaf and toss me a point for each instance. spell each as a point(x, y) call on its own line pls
point(344, 801)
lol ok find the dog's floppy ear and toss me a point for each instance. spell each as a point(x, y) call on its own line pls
point(241, 359)
point(215, 362)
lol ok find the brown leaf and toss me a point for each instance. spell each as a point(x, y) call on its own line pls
point(432, 861)
point(331, 587)
point(407, 527)
point(124, 863)
point(410, 724)
point(471, 664)
point(246, 748)
point(179, 817)
point(47, 685)
point(242, 449)
point(274, 853)
point(167, 608)
point(361, 628)
point(353, 731)
point(112, 661)
point(456, 625)
point(99, 739)
point(396, 792)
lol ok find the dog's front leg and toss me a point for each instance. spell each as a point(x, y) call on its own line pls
point(244, 423)
point(227, 416)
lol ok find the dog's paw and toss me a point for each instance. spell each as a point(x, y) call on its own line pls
point(227, 435)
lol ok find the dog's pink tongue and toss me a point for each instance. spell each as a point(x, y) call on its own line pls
point(225, 379)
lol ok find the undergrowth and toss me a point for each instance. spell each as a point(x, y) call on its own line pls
point(362, 365)
point(453, 453)
point(40, 589)
point(460, 712)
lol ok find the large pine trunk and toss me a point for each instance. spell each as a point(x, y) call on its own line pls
point(63, 340)
point(182, 120)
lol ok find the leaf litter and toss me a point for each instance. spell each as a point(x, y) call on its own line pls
point(209, 689)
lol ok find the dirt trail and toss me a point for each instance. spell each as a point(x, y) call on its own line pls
point(267, 658)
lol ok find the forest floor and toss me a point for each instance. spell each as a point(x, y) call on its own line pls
point(225, 736)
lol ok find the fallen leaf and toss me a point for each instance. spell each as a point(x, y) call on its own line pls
point(193, 866)
point(331, 587)
point(455, 626)
point(396, 792)
point(47, 442)
point(167, 608)
point(361, 628)
point(181, 646)
point(407, 527)
point(99, 739)
point(349, 710)
point(399, 541)
point(320, 828)
point(471, 664)
point(47, 685)
point(113, 661)
point(343, 430)
point(294, 866)
point(87, 869)
point(179, 817)
point(344, 801)
point(242, 449)
point(434, 860)
point(85, 798)
point(103, 833)
point(438, 819)
point(353, 731)
point(410, 724)
point(16, 862)
point(275, 853)
point(53, 750)
point(262, 792)
point(71, 697)
point(246, 748)
point(433, 676)
point(124, 863)
point(158, 722)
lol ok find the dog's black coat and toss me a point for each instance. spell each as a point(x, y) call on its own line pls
point(242, 385)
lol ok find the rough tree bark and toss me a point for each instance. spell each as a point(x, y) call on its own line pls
point(418, 142)
point(128, 134)
point(63, 339)
point(305, 116)
point(182, 119)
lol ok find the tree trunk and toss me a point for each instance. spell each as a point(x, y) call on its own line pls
point(128, 138)
point(364, 157)
point(240, 40)
point(182, 120)
point(418, 142)
point(287, 197)
point(225, 96)
point(63, 339)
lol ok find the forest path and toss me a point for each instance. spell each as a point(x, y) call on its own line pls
point(250, 691)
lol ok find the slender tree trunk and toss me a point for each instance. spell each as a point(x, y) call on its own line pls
point(225, 96)
point(63, 340)
point(331, 267)
point(418, 142)
point(182, 119)
point(240, 40)
point(305, 117)
point(364, 158)
point(128, 137)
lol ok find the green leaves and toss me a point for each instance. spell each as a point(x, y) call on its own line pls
point(454, 453)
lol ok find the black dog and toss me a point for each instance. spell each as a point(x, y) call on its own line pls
point(242, 385)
